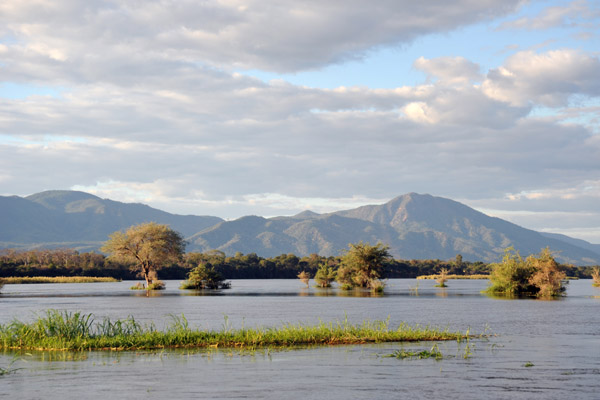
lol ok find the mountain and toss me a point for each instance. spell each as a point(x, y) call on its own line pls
point(415, 226)
point(80, 220)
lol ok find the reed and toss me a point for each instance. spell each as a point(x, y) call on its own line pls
point(57, 279)
point(62, 330)
point(454, 276)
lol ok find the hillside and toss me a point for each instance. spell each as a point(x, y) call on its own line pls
point(415, 226)
point(80, 220)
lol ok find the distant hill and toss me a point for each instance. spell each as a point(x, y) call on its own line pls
point(415, 226)
point(80, 220)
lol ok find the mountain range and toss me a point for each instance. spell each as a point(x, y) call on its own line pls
point(414, 226)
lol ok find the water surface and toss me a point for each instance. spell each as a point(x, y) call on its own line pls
point(560, 338)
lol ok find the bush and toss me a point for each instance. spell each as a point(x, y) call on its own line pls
point(324, 276)
point(205, 277)
point(595, 277)
point(536, 276)
point(304, 277)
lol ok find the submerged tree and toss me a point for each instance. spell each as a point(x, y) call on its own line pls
point(595, 277)
point(362, 266)
point(149, 246)
point(325, 275)
point(304, 277)
point(205, 277)
point(537, 275)
point(443, 278)
point(547, 276)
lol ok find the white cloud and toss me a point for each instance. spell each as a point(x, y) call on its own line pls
point(549, 78)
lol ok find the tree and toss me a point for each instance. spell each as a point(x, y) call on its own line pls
point(205, 277)
point(547, 276)
point(362, 265)
point(511, 276)
point(304, 277)
point(325, 275)
point(149, 246)
point(596, 276)
point(536, 276)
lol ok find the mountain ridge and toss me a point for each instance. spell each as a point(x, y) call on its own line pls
point(415, 226)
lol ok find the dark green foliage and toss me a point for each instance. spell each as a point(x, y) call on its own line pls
point(68, 262)
point(536, 276)
point(362, 266)
point(205, 277)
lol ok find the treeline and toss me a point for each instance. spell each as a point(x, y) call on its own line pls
point(68, 262)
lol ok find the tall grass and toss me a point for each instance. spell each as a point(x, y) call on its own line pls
point(62, 330)
point(56, 279)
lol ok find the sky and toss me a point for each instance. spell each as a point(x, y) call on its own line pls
point(255, 107)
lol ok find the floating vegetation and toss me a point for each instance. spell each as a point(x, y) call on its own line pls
point(433, 352)
point(529, 364)
point(62, 330)
point(57, 279)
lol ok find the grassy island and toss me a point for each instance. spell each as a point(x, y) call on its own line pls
point(61, 330)
point(57, 279)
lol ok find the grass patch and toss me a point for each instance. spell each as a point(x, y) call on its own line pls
point(56, 279)
point(454, 276)
point(434, 352)
point(62, 330)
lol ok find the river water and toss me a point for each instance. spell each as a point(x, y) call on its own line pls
point(537, 349)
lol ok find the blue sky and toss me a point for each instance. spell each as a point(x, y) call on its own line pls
point(270, 108)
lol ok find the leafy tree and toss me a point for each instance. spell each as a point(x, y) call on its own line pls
point(149, 246)
point(547, 276)
point(511, 276)
point(205, 277)
point(325, 275)
point(362, 265)
point(539, 276)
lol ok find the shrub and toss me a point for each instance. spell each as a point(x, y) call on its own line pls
point(304, 277)
point(547, 276)
point(539, 276)
point(205, 277)
point(324, 276)
point(595, 277)
point(443, 278)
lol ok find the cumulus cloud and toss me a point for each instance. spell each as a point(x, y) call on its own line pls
point(548, 78)
point(151, 112)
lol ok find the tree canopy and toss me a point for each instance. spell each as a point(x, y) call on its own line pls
point(149, 246)
point(362, 265)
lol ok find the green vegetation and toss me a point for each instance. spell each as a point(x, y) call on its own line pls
point(595, 277)
point(68, 262)
point(304, 277)
point(62, 330)
point(443, 278)
point(433, 352)
point(203, 277)
point(55, 279)
point(325, 276)
point(454, 277)
point(149, 246)
point(362, 266)
point(536, 276)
